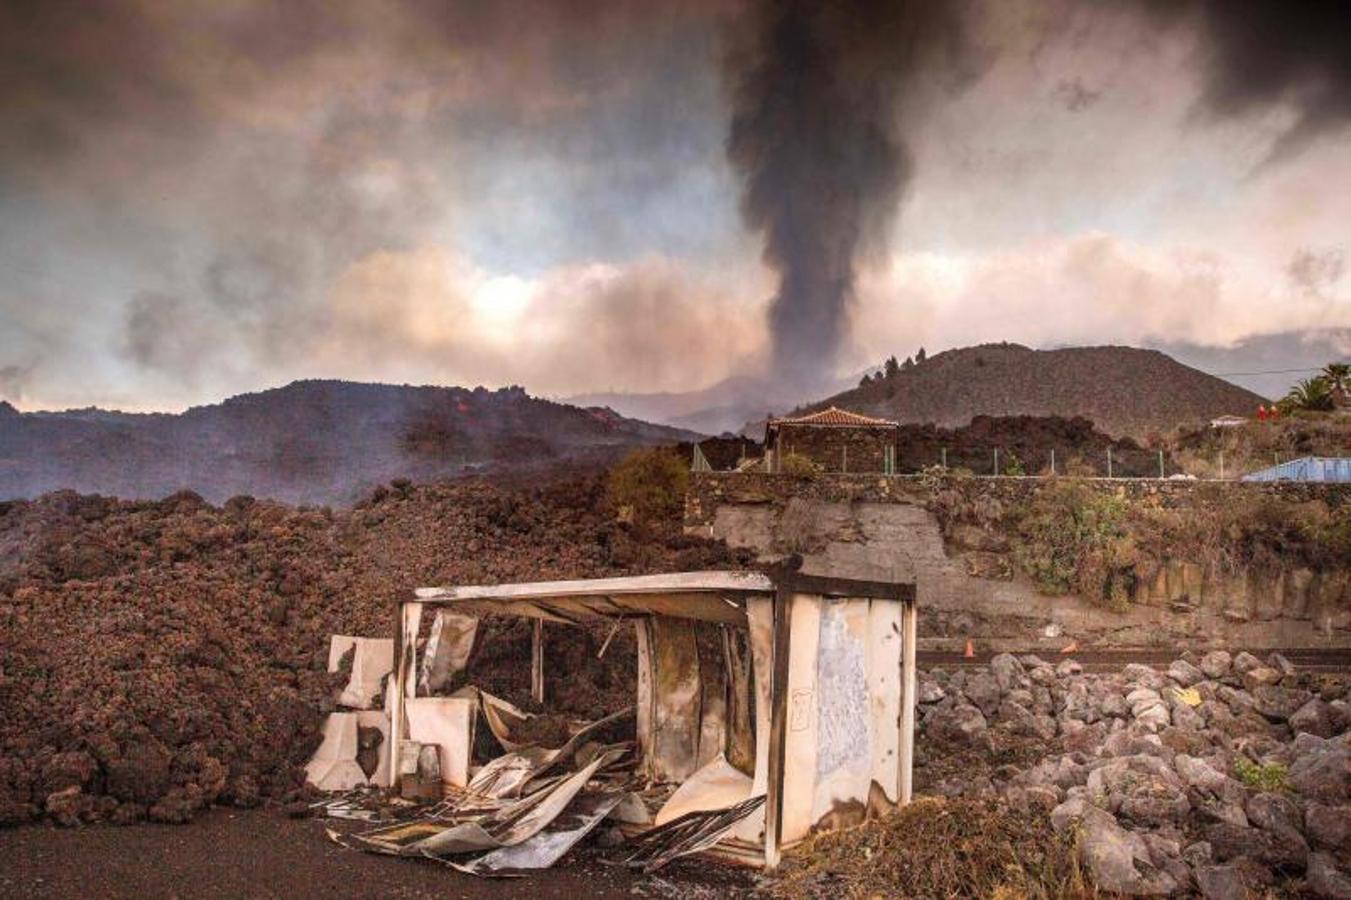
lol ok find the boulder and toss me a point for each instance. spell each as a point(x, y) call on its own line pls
point(1114, 705)
point(1007, 671)
point(1068, 813)
point(983, 691)
point(1087, 739)
point(1039, 799)
point(1132, 742)
point(1246, 662)
point(927, 691)
point(1323, 774)
point(1328, 826)
point(1043, 675)
point(1314, 717)
point(1185, 717)
point(1340, 711)
point(1141, 675)
point(1202, 776)
point(1262, 675)
point(1183, 740)
point(1278, 703)
point(1276, 813)
point(1152, 715)
point(1216, 663)
point(1197, 854)
point(1325, 879)
point(962, 724)
point(1067, 668)
point(1118, 860)
point(1237, 880)
point(1184, 673)
point(1279, 850)
point(1238, 701)
point(1281, 664)
point(1141, 789)
point(1019, 720)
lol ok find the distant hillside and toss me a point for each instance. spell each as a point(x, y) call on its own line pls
point(1123, 390)
point(725, 406)
point(308, 442)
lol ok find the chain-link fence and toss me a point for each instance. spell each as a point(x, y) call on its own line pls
point(988, 460)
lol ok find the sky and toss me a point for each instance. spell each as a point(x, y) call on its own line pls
point(201, 199)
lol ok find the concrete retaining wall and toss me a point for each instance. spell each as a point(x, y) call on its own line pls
point(870, 526)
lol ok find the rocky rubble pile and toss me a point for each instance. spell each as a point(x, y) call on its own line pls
point(159, 657)
point(1222, 775)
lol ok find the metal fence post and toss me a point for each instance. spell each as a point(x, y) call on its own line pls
point(996, 460)
point(1109, 462)
point(944, 452)
point(1052, 460)
point(1221, 465)
point(1160, 463)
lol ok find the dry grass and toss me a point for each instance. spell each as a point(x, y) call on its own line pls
point(1257, 445)
point(938, 848)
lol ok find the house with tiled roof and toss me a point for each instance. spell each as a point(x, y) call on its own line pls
point(835, 439)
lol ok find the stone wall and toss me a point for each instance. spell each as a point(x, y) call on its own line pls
point(838, 449)
point(902, 527)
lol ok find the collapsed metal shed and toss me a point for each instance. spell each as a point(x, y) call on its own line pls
point(818, 716)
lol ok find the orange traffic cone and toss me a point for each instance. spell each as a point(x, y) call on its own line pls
point(970, 650)
point(1071, 647)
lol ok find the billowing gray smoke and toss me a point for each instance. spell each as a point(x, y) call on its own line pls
point(1268, 51)
point(1263, 53)
point(818, 93)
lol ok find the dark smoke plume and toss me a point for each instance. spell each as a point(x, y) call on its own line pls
point(818, 93)
point(1265, 52)
point(1268, 50)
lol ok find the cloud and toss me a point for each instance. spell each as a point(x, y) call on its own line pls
point(1316, 271)
point(199, 199)
point(1083, 289)
point(430, 315)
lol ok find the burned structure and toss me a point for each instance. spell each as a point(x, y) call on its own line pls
point(835, 440)
point(808, 725)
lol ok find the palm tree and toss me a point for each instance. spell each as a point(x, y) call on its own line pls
point(1337, 375)
point(1311, 394)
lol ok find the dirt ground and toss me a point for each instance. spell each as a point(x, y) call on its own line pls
point(262, 853)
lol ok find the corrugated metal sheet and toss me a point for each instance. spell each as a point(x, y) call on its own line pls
point(1308, 468)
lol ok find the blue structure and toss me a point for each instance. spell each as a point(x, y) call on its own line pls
point(1308, 468)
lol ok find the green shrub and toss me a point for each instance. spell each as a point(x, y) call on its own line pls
point(1269, 777)
point(648, 484)
point(1013, 465)
point(794, 463)
point(1073, 538)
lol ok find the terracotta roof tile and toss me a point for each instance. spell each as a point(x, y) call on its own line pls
point(835, 416)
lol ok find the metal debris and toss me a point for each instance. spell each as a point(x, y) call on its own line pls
point(691, 833)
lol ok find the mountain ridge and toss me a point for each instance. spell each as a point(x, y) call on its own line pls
point(1124, 391)
point(309, 441)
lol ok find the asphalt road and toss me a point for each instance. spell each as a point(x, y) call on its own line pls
point(261, 853)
